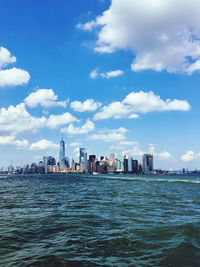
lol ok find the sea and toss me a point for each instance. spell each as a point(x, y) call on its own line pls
point(99, 220)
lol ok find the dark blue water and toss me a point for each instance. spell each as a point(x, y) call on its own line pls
point(104, 220)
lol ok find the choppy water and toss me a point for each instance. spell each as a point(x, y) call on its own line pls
point(104, 220)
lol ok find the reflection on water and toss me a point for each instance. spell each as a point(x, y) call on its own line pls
point(101, 220)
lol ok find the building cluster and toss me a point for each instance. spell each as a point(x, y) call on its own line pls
point(87, 164)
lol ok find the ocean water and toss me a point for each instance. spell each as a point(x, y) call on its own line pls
point(99, 220)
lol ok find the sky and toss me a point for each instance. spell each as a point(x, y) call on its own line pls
point(119, 76)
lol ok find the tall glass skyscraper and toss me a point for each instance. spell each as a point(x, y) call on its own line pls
point(61, 151)
point(82, 155)
point(147, 163)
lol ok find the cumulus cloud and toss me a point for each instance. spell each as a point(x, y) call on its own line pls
point(13, 76)
point(87, 105)
point(72, 130)
point(43, 145)
point(56, 120)
point(115, 110)
point(10, 140)
point(144, 102)
point(110, 74)
point(6, 139)
point(189, 156)
point(44, 97)
point(20, 144)
point(163, 35)
point(5, 57)
point(140, 102)
point(109, 135)
point(163, 155)
point(15, 120)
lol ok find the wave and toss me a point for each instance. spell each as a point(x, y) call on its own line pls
point(152, 179)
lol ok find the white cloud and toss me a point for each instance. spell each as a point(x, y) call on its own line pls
point(144, 102)
point(44, 97)
point(75, 144)
point(109, 135)
point(87, 26)
point(133, 116)
point(10, 140)
point(43, 145)
point(163, 155)
point(86, 128)
point(5, 57)
point(110, 74)
point(87, 105)
point(190, 155)
point(163, 35)
point(94, 74)
point(17, 119)
point(113, 73)
point(140, 102)
point(13, 76)
point(20, 144)
point(56, 120)
point(6, 139)
point(194, 67)
point(114, 110)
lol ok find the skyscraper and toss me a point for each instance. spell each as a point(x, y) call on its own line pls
point(135, 166)
point(61, 151)
point(83, 155)
point(147, 163)
point(83, 160)
point(126, 163)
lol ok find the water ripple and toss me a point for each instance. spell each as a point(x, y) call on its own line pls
point(103, 220)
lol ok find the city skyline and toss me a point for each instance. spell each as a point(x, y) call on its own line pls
point(88, 163)
point(68, 69)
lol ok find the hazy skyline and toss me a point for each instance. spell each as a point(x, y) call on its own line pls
point(118, 76)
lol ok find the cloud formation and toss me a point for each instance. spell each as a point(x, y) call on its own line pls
point(189, 156)
point(10, 140)
point(163, 35)
point(43, 145)
point(87, 105)
point(56, 120)
point(45, 98)
point(15, 120)
point(108, 135)
point(85, 128)
point(5, 57)
point(110, 74)
point(140, 102)
point(13, 76)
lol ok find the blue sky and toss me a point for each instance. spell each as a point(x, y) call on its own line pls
point(100, 72)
